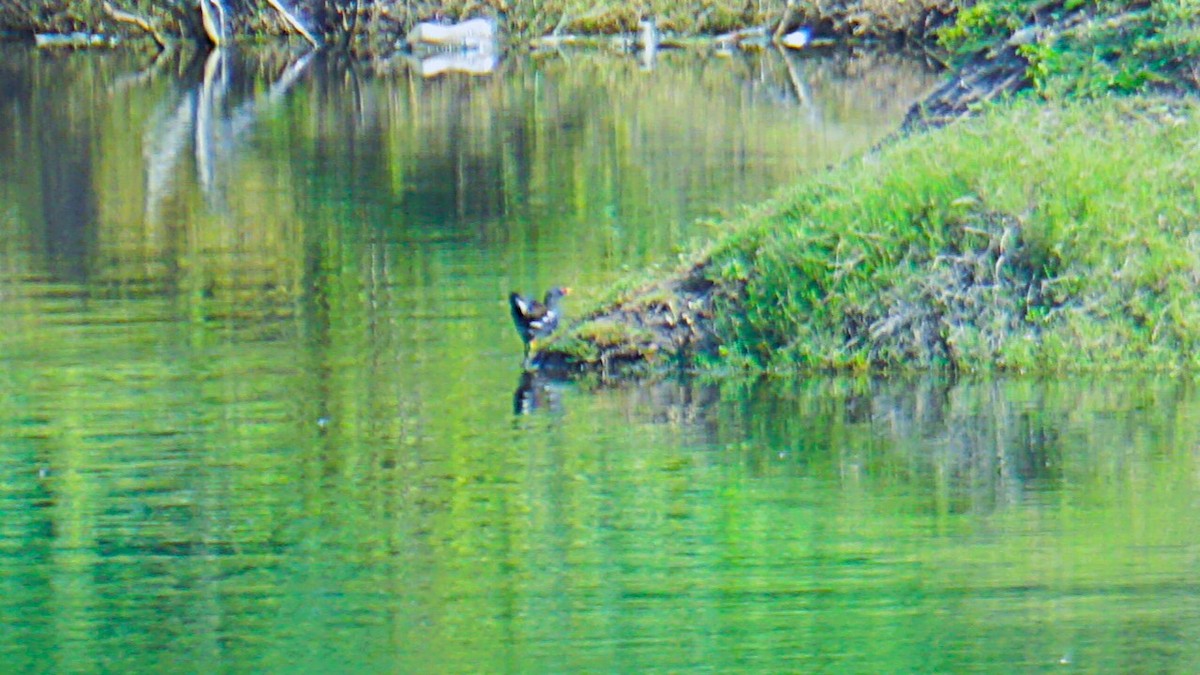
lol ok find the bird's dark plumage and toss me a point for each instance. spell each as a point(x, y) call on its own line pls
point(535, 319)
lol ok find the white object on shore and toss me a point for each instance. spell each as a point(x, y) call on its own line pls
point(473, 34)
point(797, 39)
point(74, 40)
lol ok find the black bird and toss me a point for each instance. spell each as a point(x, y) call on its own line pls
point(535, 319)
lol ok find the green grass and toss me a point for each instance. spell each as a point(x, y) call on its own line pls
point(1060, 236)
point(1087, 47)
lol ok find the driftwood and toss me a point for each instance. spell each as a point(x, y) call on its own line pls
point(649, 40)
point(214, 26)
point(212, 15)
point(555, 41)
point(468, 47)
point(292, 22)
point(478, 34)
point(74, 40)
point(754, 37)
point(127, 17)
point(620, 43)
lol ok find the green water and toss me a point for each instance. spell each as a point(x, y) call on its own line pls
point(261, 407)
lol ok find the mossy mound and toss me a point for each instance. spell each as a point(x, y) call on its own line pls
point(668, 322)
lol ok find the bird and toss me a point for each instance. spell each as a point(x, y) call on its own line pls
point(535, 319)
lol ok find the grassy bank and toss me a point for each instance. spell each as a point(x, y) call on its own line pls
point(1038, 237)
point(1054, 232)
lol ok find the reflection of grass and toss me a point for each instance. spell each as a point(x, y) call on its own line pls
point(1032, 239)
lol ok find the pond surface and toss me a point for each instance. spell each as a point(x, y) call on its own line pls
point(261, 407)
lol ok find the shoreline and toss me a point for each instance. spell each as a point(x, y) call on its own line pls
point(384, 29)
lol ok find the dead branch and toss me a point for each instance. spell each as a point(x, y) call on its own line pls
point(786, 19)
point(294, 23)
point(214, 27)
point(128, 17)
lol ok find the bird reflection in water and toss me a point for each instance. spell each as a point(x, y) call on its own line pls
point(536, 393)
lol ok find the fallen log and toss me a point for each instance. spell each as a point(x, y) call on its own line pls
point(74, 40)
point(292, 22)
